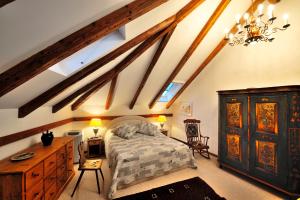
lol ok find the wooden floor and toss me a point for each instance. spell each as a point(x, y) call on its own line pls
point(224, 183)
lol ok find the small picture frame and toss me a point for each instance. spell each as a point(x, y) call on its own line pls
point(186, 108)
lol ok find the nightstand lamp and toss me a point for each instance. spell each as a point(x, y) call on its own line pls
point(162, 119)
point(95, 123)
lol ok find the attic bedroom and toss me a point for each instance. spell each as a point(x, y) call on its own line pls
point(139, 99)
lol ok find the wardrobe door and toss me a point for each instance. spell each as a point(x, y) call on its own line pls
point(268, 148)
point(233, 149)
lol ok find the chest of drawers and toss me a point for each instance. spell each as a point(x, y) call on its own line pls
point(42, 177)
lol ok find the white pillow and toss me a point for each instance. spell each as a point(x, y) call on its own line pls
point(148, 129)
point(125, 131)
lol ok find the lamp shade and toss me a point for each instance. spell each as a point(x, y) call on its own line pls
point(162, 118)
point(95, 122)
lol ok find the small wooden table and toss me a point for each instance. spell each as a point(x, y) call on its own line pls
point(95, 147)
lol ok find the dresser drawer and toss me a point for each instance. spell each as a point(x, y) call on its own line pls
point(36, 192)
point(50, 164)
point(34, 175)
point(51, 193)
point(61, 170)
point(61, 156)
point(50, 180)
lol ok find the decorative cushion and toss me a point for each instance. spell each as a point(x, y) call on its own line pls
point(125, 131)
point(148, 129)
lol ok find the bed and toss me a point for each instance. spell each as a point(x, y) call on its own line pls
point(142, 156)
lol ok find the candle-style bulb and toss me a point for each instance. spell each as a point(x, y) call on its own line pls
point(286, 18)
point(226, 31)
point(246, 16)
point(237, 18)
point(260, 9)
point(270, 11)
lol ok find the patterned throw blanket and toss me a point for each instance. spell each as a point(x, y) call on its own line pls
point(145, 156)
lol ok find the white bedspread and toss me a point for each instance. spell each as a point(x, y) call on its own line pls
point(144, 156)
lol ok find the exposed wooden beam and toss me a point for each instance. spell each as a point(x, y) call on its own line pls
point(116, 116)
point(219, 10)
point(4, 2)
point(87, 95)
point(7, 139)
point(60, 87)
point(113, 72)
point(57, 89)
point(60, 50)
point(155, 58)
point(111, 92)
point(210, 57)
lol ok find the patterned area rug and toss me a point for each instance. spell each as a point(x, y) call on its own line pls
point(190, 189)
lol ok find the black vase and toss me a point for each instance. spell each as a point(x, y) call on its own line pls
point(47, 138)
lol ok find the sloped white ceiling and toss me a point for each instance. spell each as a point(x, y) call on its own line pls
point(27, 27)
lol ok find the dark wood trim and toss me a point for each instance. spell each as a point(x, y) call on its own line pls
point(62, 86)
point(87, 95)
point(222, 165)
point(209, 24)
point(4, 2)
point(30, 132)
point(57, 89)
point(7, 139)
point(116, 116)
point(67, 46)
point(111, 92)
point(113, 72)
point(154, 60)
point(210, 57)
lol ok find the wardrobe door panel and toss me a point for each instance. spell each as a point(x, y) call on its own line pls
point(268, 138)
point(234, 141)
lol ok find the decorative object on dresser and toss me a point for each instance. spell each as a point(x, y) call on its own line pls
point(259, 135)
point(195, 140)
point(95, 123)
point(95, 147)
point(47, 138)
point(43, 176)
point(88, 165)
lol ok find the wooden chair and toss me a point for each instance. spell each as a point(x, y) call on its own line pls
point(195, 140)
point(88, 164)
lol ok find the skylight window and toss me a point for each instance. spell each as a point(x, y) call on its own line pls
point(170, 92)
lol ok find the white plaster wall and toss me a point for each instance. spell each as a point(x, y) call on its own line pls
point(10, 123)
point(262, 65)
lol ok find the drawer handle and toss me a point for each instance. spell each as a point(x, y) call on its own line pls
point(51, 163)
point(35, 174)
point(52, 193)
point(36, 194)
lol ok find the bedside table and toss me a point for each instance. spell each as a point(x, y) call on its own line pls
point(95, 147)
point(164, 131)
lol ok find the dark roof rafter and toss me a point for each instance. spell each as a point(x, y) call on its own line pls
point(111, 92)
point(60, 87)
point(154, 60)
point(57, 89)
point(109, 75)
point(210, 57)
point(67, 46)
point(87, 95)
point(219, 10)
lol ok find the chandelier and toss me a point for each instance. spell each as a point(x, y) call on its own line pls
point(254, 28)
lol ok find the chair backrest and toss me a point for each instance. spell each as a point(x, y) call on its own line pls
point(192, 130)
point(82, 158)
